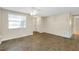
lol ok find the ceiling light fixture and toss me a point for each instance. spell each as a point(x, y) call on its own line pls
point(34, 11)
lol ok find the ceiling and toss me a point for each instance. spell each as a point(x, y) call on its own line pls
point(47, 11)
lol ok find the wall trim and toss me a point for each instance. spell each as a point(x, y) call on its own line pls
point(54, 34)
point(5, 39)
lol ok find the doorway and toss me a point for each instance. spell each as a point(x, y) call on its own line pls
point(75, 27)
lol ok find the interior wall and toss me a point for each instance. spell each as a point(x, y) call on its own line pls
point(76, 25)
point(37, 23)
point(0, 21)
point(15, 33)
point(57, 25)
point(42, 24)
point(34, 24)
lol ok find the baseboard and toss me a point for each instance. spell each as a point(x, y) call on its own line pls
point(5, 39)
point(37, 32)
point(53, 35)
point(0, 42)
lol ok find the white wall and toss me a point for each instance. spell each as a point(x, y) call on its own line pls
point(76, 25)
point(37, 23)
point(57, 25)
point(34, 24)
point(0, 21)
point(15, 33)
point(42, 24)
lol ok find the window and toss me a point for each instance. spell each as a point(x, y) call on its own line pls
point(16, 21)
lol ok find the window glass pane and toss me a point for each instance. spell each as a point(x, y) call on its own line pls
point(16, 21)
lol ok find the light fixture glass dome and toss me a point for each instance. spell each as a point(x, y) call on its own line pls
point(34, 11)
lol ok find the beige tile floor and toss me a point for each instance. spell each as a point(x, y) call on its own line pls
point(40, 42)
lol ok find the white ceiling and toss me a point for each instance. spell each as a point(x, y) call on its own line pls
point(47, 11)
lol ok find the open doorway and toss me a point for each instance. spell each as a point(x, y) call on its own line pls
point(76, 27)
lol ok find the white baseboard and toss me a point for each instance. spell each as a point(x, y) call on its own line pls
point(15, 37)
point(0, 42)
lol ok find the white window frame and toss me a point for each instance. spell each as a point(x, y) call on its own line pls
point(19, 19)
